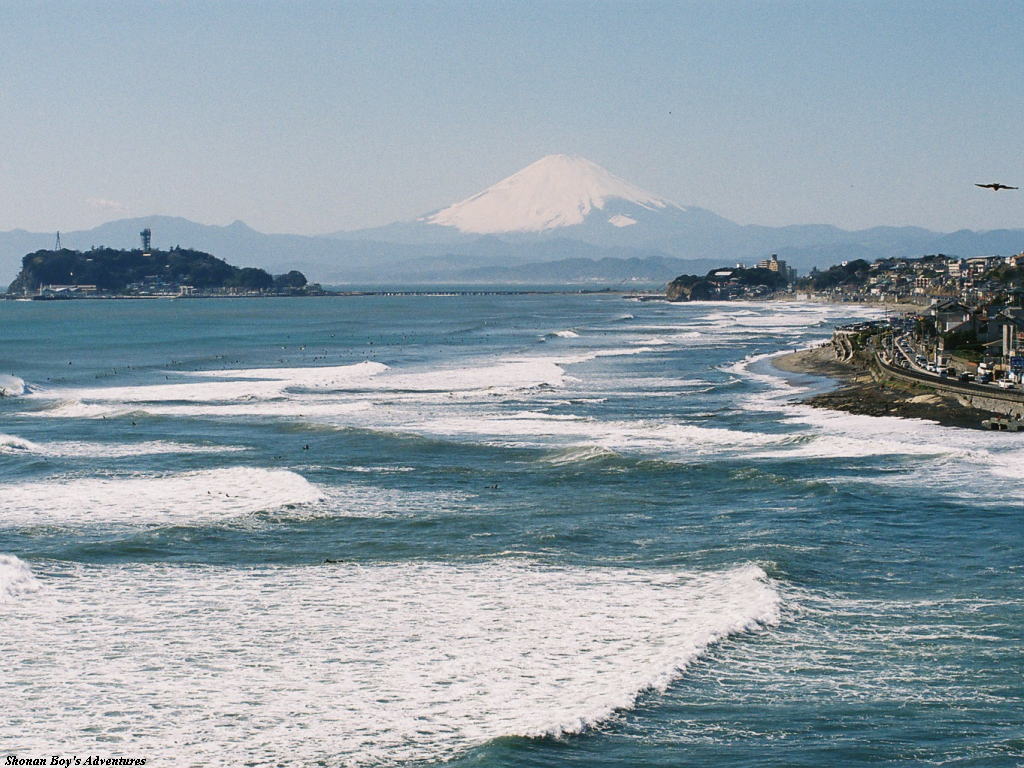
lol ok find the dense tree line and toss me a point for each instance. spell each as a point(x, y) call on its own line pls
point(850, 273)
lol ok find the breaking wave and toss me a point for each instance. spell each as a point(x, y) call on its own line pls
point(72, 448)
point(354, 664)
point(15, 444)
point(11, 386)
point(15, 579)
point(189, 497)
point(580, 454)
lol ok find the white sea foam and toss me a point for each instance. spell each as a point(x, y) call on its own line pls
point(302, 407)
point(378, 378)
point(957, 452)
point(73, 448)
point(500, 379)
point(670, 439)
point(375, 470)
point(651, 341)
point(250, 392)
point(11, 386)
point(1008, 464)
point(76, 409)
point(15, 444)
point(242, 385)
point(780, 320)
point(16, 580)
point(528, 415)
point(328, 392)
point(580, 454)
point(313, 377)
point(188, 497)
point(504, 375)
point(742, 368)
point(349, 664)
point(120, 450)
point(954, 452)
point(567, 334)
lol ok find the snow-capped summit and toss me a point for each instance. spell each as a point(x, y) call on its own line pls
point(556, 191)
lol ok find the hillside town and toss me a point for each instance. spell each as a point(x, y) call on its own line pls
point(969, 320)
point(922, 280)
point(974, 281)
point(962, 340)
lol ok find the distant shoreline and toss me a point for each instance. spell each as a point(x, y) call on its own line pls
point(630, 294)
point(331, 294)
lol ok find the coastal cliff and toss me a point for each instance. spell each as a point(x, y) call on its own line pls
point(682, 289)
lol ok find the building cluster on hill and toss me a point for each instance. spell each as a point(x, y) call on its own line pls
point(769, 277)
point(979, 280)
point(974, 315)
point(985, 338)
point(973, 355)
point(975, 281)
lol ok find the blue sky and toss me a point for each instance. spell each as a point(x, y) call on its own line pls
point(318, 116)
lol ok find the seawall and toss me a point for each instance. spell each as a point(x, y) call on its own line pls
point(1004, 403)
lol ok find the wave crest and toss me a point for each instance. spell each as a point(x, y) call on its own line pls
point(15, 444)
point(581, 454)
point(11, 386)
point(206, 496)
point(16, 579)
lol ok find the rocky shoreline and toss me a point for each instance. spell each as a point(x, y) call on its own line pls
point(860, 393)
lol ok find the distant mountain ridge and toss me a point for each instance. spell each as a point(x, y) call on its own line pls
point(561, 208)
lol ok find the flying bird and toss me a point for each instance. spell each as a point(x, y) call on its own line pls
point(996, 187)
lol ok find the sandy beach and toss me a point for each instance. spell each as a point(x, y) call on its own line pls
point(820, 361)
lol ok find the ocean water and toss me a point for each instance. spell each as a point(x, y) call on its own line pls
point(537, 530)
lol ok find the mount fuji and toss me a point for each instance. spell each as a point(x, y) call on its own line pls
point(556, 191)
point(565, 198)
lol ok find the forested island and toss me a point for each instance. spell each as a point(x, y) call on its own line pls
point(179, 271)
point(726, 283)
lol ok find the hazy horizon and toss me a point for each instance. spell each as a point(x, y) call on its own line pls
point(312, 118)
